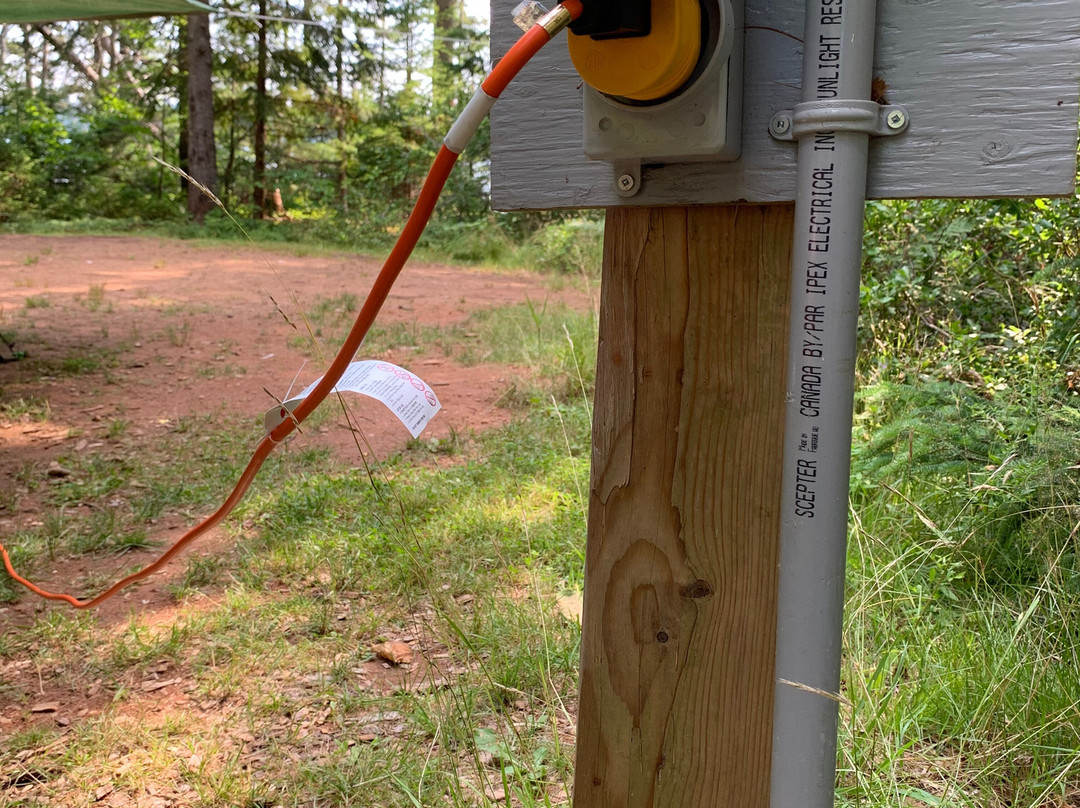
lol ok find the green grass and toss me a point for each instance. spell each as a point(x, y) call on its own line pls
point(553, 244)
point(962, 655)
point(556, 344)
point(217, 371)
point(33, 408)
point(179, 335)
point(92, 361)
point(506, 512)
point(79, 365)
point(466, 559)
point(184, 473)
point(95, 297)
point(552, 346)
point(963, 658)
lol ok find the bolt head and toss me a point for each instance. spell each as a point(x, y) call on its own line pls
point(780, 125)
point(626, 182)
point(896, 119)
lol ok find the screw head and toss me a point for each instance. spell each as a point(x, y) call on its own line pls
point(627, 182)
point(780, 125)
point(896, 119)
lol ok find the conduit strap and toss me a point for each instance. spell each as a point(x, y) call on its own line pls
point(813, 117)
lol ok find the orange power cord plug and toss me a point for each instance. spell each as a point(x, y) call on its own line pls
point(456, 139)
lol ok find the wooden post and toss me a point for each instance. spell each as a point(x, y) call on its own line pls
point(678, 634)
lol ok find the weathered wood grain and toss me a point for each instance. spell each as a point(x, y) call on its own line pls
point(992, 87)
point(678, 634)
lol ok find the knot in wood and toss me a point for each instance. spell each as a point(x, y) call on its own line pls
point(698, 589)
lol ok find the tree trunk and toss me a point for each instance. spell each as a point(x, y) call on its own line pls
point(230, 164)
point(381, 18)
point(447, 18)
point(407, 17)
point(258, 191)
point(113, 46)
point(202, 155)
point(339, 74)
point(99, 49)
point(28, 59)
point(44, 64)
point(182, 105)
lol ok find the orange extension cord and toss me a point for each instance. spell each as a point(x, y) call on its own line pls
point(501, 75)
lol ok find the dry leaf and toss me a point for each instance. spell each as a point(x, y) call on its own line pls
point(570, 606)
point(394, 651)
point(156, 684)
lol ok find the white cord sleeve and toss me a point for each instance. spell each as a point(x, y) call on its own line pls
point(469, 121)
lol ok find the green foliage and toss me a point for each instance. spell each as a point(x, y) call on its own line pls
point(30, 133)
point(351, 126)
point(990, 484)
point(64, 161)
point(351, 133)
point(980, 291)
point(964, 571)
point(571, 246)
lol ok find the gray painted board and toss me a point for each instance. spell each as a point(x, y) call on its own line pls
point(992, 88)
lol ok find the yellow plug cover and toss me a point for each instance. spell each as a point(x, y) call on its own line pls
point(649, 67)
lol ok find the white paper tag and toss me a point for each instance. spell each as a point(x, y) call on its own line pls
point(412, 401)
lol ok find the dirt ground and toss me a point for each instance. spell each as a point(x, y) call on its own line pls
point(192, 330)
point(172, 310)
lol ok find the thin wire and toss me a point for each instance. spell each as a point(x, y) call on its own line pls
point(391, 32)
point(247, 15)
point(331, 26)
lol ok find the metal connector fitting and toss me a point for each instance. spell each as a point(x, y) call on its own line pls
point(556, 20)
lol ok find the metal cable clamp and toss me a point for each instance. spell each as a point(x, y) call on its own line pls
point(838, 116)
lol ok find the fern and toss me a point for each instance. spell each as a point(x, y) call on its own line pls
point(995, 481)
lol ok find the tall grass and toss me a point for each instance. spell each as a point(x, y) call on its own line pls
point(962, 662)
point(555, 243)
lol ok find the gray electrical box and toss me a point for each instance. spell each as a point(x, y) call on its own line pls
point(991, 90)
point(702, 123)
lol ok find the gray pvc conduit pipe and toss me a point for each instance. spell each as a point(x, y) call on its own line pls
point(837, 67)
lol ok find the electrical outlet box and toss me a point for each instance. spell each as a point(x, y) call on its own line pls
point(701, 120)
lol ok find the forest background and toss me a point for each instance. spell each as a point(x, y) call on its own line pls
point(339, 106)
